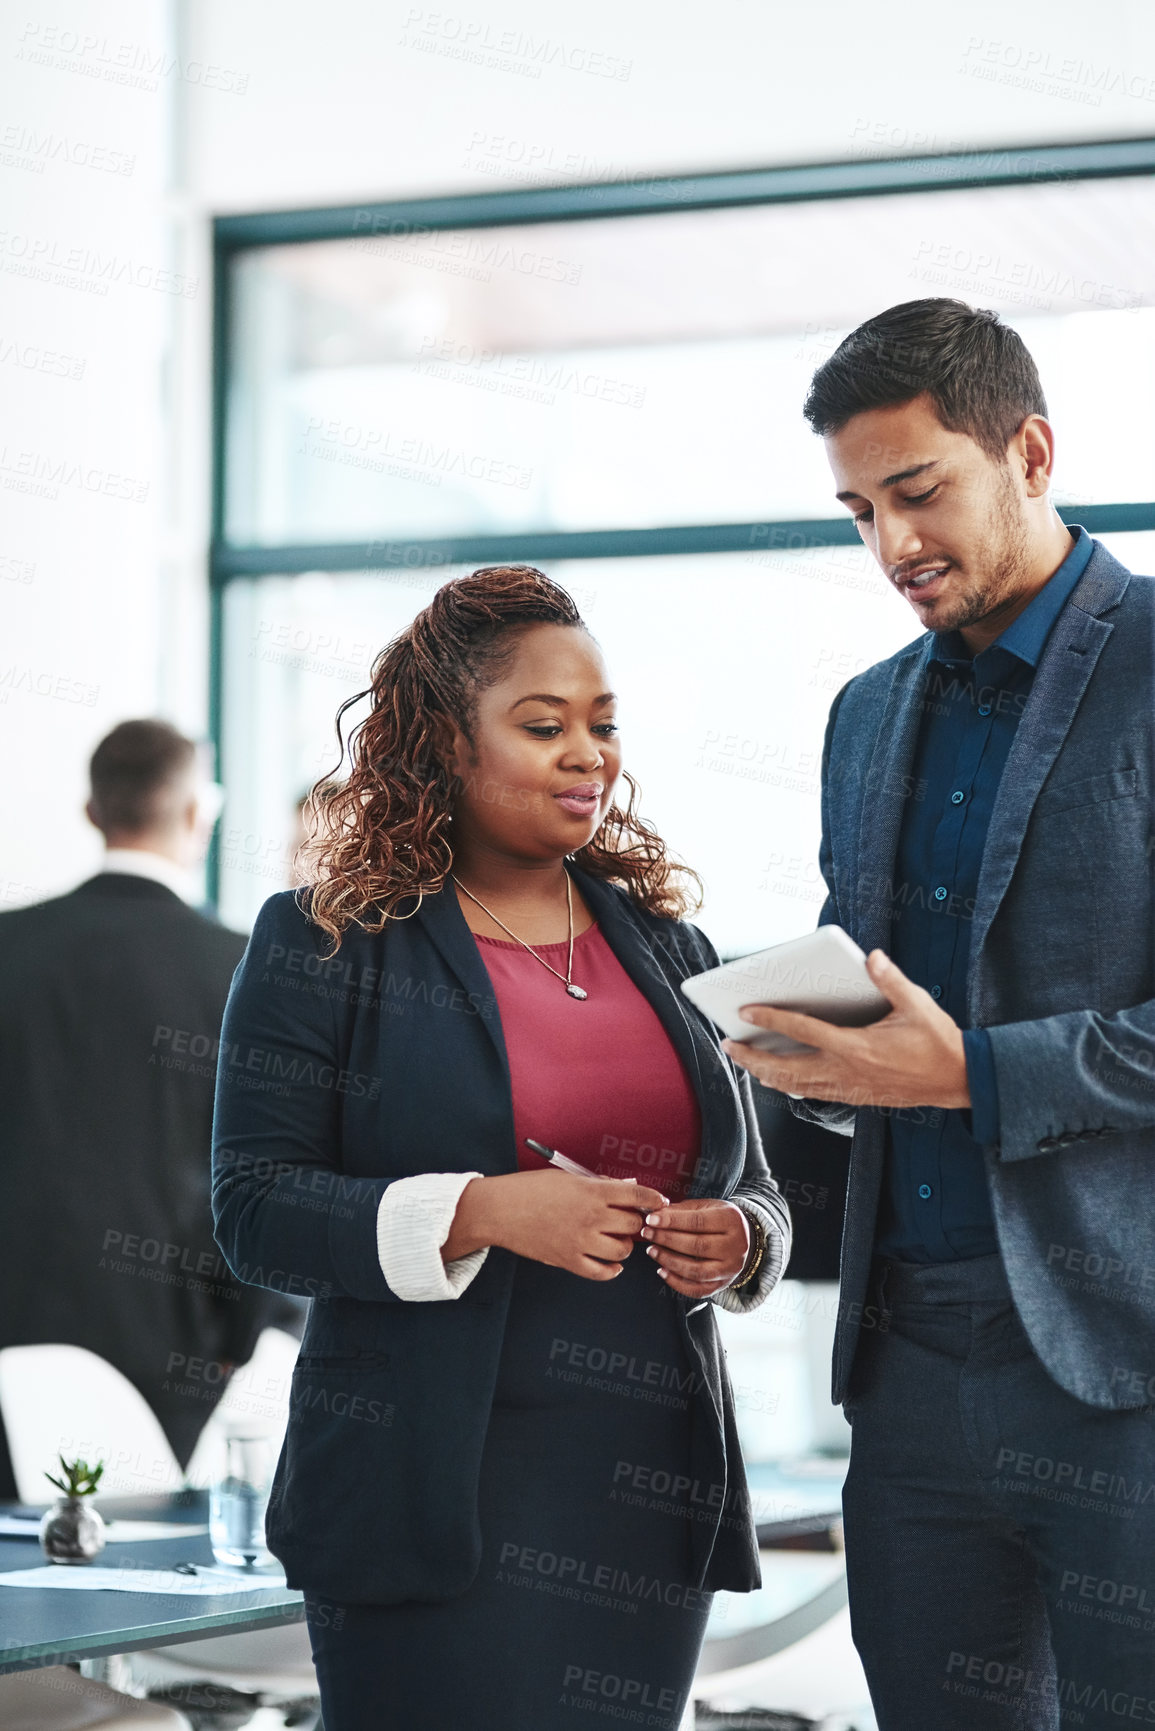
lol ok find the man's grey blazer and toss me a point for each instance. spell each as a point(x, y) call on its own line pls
point(1062, 973)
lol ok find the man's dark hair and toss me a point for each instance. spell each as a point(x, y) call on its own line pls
point(976, 370)
point(135, 772)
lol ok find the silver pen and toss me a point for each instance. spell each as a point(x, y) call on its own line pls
point(561, 1161)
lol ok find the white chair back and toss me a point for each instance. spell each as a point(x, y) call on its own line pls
point(64, 1400)
point(255, 1403)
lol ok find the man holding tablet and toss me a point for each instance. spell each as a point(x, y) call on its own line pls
point(986, 837)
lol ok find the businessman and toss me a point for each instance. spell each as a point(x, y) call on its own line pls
point(987, 839)
point(111, 1000)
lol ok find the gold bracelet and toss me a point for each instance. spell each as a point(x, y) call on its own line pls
point(755, 1258)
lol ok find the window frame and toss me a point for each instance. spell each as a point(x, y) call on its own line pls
point(650, 196)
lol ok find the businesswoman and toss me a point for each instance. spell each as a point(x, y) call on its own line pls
point(511, 1479)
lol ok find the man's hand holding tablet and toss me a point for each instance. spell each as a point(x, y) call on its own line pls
point(824, 1022)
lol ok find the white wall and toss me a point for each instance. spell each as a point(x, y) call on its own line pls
point(370, 98)
point(82, 342)
point(218, 105)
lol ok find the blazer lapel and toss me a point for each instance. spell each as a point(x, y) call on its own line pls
point(444, 924)
point(1068, 661)
point(655, 974)
point(885, 793)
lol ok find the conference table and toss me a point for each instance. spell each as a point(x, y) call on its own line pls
point(794, 1506)
point(51, 1626)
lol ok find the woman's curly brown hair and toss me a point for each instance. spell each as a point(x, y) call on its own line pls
point(383, 836)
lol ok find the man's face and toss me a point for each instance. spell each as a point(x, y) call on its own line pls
point(947, 524)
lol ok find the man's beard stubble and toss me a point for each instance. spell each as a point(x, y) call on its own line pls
point(1001, 557)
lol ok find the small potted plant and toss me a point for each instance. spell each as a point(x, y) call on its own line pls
point(71, 1531)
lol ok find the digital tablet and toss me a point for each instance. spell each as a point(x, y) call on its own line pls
point(823, 974)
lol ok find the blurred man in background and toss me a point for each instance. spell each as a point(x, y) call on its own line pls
point(111, 1000)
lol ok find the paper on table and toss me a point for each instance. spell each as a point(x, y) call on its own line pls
point(206, 1581)
point(116, 1532)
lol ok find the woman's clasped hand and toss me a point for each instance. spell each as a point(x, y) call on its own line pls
point(590, 1225)
point(586, 1225)
point(700, 1245)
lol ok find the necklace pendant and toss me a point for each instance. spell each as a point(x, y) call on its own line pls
point(576, 992)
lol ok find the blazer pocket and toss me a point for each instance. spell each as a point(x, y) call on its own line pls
point(1089, 790)
point(313, 1363)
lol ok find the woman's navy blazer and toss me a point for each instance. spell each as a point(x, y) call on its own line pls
point(338, 1075)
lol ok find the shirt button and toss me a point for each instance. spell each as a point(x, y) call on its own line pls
point(924, 1191)
point(936, 991)
point(957, 798)
point(984, 708)
point(941, 893)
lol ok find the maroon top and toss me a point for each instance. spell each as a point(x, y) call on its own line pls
point(596, 1079)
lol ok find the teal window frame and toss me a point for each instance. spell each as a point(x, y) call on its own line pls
point(237, 234)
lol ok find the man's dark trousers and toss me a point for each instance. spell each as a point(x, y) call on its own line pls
point(1000, 1534)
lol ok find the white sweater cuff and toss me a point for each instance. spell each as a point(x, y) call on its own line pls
point(413, 1222)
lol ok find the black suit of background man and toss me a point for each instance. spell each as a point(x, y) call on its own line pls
point(111, 999)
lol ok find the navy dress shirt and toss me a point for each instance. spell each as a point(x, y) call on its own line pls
point(935, 1205)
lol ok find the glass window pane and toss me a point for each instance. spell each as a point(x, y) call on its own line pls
point(645, 371)
point(726, 664)
point(294, 649)
point(1136, 550)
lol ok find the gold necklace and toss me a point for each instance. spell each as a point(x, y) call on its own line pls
point(566, 978)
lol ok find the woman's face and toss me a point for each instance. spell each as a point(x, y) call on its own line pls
point(539, 776)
